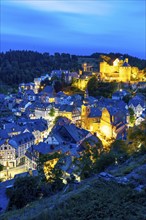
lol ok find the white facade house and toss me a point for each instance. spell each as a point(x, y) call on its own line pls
point(7, 154)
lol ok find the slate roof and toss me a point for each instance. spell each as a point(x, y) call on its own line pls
point(47, 89)
point(33, 124)
point(3, 134)
point(106, 102)
point(69, 133)
point(95, 112)
point(20, 139)
point(42, 105)
point(66, 108)
point(92, 100)
point(92, 140)
point(135, 102)
point(24, 103)
point(12, 127)
point(2, 142)
point(112, 110)
point(61, 94)
point(78, 103)
point(125, 64)
point(45, 148)
point(118, 94)
point(30, 92)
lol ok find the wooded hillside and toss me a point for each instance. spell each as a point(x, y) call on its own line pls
point(23, 66)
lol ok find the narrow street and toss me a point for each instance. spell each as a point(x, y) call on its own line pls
point(11, 172)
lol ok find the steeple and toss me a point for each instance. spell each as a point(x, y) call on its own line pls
point(85, 110)
point(86, 97)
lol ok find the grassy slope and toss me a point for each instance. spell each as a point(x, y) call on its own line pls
point(94, 198)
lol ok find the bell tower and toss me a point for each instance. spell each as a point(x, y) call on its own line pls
point(85, 110)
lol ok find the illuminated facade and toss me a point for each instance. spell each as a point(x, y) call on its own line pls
point(110, 122)
point(48, 167)
point(81, 83)
point(7, 155)
point(85, 111)
point(90, 117)
point(106, 127)
point(120, 71)
point(87, 67)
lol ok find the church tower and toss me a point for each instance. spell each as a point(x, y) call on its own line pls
point(85, 110)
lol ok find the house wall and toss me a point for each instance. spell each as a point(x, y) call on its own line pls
point(105, 124)
point(7, 155)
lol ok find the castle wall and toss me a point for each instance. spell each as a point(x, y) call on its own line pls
point(125, 74)
point(134, 71)
point(106, 68)
point(81, 83)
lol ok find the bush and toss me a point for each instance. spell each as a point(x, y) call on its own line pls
point(46, 189)
point(105, 160)
point(25, 190)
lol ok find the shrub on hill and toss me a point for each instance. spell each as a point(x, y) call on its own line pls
point(24, 191)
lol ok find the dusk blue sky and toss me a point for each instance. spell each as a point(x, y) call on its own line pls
point(79, 27)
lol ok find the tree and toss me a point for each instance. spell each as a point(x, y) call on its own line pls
point(25, 190)
point(92, 86)
point(57, 86)
point(137, 138)
point(105, 160)
point(132, 116)
point(126, 98)
point(87, 162)
point(97, 88)
point(1, 167)
point(51, 174)
point(63, 78)
point(52, 112)
point(57, 175)
point(56, 119)
point(119, 149)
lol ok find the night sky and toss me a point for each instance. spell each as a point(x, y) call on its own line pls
point(79, 27)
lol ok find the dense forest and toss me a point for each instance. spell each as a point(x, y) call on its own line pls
point(97, 88)
point(23, 66)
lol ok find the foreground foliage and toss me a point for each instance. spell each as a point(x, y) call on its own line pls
point(95, 198)
point(102, 200)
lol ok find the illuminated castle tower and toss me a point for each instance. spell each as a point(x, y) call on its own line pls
point(85, 110)
point(125, 71)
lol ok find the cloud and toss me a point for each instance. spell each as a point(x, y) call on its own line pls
point(86, 25)
point(68, 6)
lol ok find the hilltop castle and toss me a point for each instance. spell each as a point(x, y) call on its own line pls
point(120, 70)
